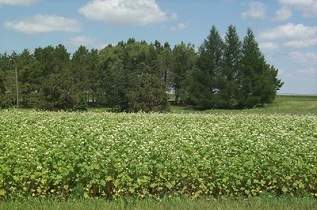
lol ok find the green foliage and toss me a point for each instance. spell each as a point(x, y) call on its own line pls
point(84, 74)
point(204, 81)
point(149, 94)
point(57, 94)
point(132, 77)
point(6, 88)
point(258, 80)
point(2, 91)
point(137, 76)
point(232, 75)
point(184, 59)
point(229, 83)
point(65, 155)
point(55, 87)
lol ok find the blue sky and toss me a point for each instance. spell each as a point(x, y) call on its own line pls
point(286, 29)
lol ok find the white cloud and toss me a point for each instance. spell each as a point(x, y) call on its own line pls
point(130, 12)
point(301, 43)
point(290, 31)
point(268, 45)
point(256, 10)
point(306, 62)
point(295, 36)
point(179, 26)
point(44, 24)
point(307, 7)
point(310, 71)
point(283, 14)
point(17, 2)
point(309, 58)
point(86, 41)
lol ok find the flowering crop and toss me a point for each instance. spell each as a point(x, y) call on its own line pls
point(116, 155)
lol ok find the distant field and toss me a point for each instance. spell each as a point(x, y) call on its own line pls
point(282, 104)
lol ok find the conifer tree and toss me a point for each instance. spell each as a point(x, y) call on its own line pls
point(204, 86)
point(229, 84)
point(258, 80)
point(252, 68)
point(137, 76)
point(183, 62)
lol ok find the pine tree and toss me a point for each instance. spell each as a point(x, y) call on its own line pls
point(146, 88)
point(229, 84)
point(2, 76)
point(258, 80)
point(269, 85)
point(2, 89)
point(112, 84)
point(252, 68)
point(80, 66)
point(184, 58)
point(132, 79)
point(54, 79)
point(204, 86)
point(134, 75)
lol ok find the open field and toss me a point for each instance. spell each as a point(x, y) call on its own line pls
point(282, 104)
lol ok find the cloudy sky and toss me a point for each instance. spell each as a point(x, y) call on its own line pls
point(285, 29)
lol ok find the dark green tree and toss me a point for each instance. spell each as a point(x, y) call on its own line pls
point(136, 76)
point(131, 77)
point(84, 65)
point(8, 81)
point(112, 85)
point(28, 91)
point(80, 70)
point(146, 90)
point(2, 76)
point(203, 82)
point(57, 93)
point(184, 59)
point(149, 92)
point(258, 80)
point(270, 84)
point(228, 78)
point(252, 67)
point(56, 90)
point(2, 89)
point(166, 63)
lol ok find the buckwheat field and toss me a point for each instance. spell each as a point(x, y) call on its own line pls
point(107, 155)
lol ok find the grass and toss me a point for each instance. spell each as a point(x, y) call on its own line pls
point(283, 105)
point(286, 104)
point(260, 203)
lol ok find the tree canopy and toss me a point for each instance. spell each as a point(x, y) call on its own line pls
point(139, 76)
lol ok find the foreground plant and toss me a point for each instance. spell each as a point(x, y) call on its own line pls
point(66, 155)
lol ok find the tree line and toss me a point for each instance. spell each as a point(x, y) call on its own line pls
point(135, 76)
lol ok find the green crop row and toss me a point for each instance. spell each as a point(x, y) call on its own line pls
point(66, 155)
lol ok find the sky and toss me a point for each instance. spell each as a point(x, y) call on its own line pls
point(286, 30)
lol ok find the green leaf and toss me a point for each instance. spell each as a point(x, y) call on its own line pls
point(284, 189)
point(2, 192)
